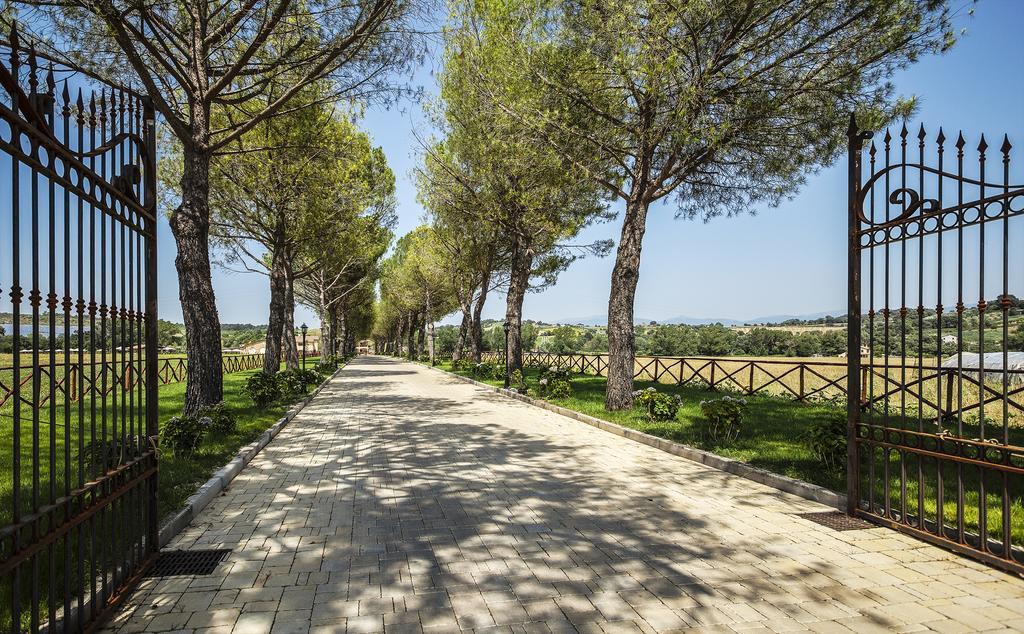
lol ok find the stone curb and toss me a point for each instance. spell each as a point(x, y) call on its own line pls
point(223, 476)
point(799, 488)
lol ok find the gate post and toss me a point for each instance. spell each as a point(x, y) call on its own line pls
point(853, 336)
point(152, 350)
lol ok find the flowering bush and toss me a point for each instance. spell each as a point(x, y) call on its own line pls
point(482, 369)
point(556, 374)
point(222, 420)
point(826, 440)
point(296, 382)
point(723, 418)
point(487, 370)
point(262, 388)
point(327, 365)
point(560, 388)
point(555, 382)
point(517, 382)
point(658, 405)
point(183, 433)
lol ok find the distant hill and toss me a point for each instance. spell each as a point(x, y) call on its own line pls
point(600, 320)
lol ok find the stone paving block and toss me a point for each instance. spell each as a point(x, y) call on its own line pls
point(402, 500)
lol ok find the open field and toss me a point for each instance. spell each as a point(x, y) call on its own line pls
point(773, 438)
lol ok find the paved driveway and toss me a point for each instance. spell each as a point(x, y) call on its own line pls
point(402, 500)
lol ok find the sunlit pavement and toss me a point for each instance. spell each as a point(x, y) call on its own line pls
point(402, 500)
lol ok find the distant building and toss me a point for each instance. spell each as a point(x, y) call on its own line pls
point(991, 363)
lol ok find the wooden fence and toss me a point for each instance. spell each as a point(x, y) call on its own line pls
point(936, 391)
point(75, 380)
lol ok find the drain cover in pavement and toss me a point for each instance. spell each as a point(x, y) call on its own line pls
point(837, 520)
point(173, 563)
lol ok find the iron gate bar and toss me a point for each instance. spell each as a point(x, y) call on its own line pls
point(882, 426)
point(15, 559)
point(83, 532)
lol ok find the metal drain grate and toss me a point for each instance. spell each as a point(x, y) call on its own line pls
point(174, 563)
point(837, 521)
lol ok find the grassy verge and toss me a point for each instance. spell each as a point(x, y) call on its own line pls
point(773, 439)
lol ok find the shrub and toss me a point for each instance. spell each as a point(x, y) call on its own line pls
point(658, 405)
point(560, 388)
point(296, 382)
point(487, 370)
point(517, 382)
point(826, 440)
point(183, 433)
point(222, 420)
point(723, 418)
point(311, 377)
point(556, 374)
point(262, 388)
point(327, 365)
point(555, 382)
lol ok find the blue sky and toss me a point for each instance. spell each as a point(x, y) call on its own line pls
point(786, 260)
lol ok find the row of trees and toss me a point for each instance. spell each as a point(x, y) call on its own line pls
point(260, 158)
point(551, 111)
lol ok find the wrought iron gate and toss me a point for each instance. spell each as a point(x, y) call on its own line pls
point(936, 340)
point(78, 253)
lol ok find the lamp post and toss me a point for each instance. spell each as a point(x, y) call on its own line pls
point(507, 327)
point(303, 328)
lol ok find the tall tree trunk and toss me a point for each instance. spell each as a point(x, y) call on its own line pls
point(421, 336)
point(327, 345)
point(476, 330)
point(430, 329)
point(410, 333)
point(460, 341)
point(291, 350)
point(190, 224)
point(342, 330)
point(625, 275)
point(275, 325)
point(519, 283)
point(326, 327)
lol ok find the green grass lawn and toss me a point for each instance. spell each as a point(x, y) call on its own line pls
point(773, 438)
point(180, 475)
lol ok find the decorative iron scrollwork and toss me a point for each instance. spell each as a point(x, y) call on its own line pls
point(126, 181)
point(912, 201)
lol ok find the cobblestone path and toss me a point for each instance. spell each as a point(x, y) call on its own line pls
point(402, 500)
